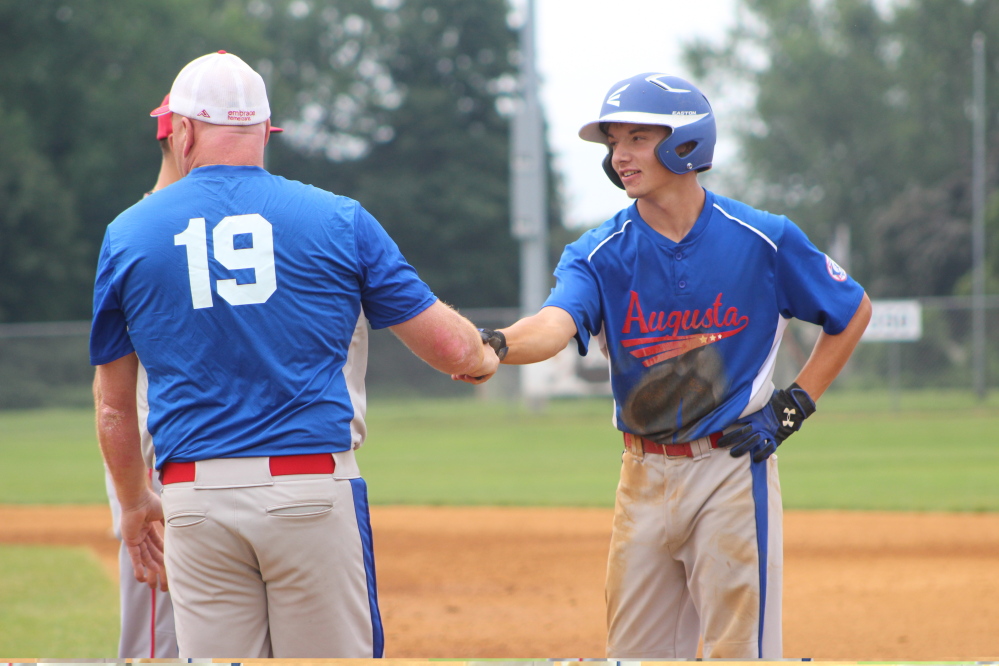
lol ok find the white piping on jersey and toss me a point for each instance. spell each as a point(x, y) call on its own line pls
point(354, 369)
point(142, 409)
point(600, 338)
point(751, 228)
point(619, 231)
point(763, 386)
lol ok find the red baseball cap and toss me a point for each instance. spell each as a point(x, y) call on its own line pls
point(164, 123)
point(164, 120)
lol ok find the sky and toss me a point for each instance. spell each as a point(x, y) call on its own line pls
point(584, 47)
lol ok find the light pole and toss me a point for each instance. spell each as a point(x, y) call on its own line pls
point(978, 216)
point(529, 187)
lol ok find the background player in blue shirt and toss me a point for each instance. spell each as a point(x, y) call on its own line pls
point(688, 294)
point(246, 296)
point(147, 628)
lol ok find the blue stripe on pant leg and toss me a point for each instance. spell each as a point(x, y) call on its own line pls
point(762, 504)
point(360, 493)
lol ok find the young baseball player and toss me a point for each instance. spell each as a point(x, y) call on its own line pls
point(146, 611)
point(688, 294)
point(242, 293)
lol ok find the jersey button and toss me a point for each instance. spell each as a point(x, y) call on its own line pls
point(683, 284)
point(678, 256)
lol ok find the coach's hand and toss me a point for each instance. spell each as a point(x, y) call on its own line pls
point(141, 532)
point(497, 341)
point(763, 431)
point(490, 361)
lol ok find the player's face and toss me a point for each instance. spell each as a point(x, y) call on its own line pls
point(633, 156)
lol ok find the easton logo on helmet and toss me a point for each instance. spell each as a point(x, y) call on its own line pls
point(615, 97)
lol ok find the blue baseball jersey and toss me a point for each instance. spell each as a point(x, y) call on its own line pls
point(240, 292)
point(692, 328)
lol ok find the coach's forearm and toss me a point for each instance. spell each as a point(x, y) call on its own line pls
point(447, 341)
point(538, 337)
point(119, 439)
point(118, 428)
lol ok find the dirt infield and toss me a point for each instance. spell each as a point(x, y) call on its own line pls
point(528, 583)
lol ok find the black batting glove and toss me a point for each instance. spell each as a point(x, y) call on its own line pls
point(496, 340)
point(763, 431)
point(792, 406)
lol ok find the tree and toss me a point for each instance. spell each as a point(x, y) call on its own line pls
point(40, 254)
point(80, 77)
point(860, 119)
point(397, 103)
point(417, 137)
point(921, 242)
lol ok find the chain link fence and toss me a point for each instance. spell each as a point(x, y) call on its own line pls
point(46, 364)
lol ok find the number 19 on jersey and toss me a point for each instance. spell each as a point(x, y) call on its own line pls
point(259, 256)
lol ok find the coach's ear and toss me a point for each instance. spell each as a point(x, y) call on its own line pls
point(185, 138)
point(611, 173)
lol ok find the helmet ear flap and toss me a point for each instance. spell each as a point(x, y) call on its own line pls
point(662, 150)
point(611, 173)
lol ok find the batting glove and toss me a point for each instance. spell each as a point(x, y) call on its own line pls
point(496, 340)
point(763, 431)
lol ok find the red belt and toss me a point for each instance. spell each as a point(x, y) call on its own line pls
point(682, 449)
point(310, 463)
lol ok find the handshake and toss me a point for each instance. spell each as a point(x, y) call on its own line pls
point(497, 341)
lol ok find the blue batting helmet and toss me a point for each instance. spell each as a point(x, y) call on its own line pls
point(657, 99)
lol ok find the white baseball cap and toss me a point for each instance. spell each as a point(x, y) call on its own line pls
point(219, 89)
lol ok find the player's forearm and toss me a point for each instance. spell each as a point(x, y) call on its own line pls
point(831, 352)
point(538, 337)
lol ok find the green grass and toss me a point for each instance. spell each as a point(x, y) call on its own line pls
point(930, 461)
point(909, 401)
point(937, 452)
point(468, 452)
point(56, 603)
point(50, 456)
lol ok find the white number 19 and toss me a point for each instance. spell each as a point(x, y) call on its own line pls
point(259, 257)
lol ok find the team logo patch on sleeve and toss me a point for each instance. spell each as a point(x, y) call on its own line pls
point(836, 272)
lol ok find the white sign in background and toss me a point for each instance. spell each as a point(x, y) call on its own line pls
point(895, 321)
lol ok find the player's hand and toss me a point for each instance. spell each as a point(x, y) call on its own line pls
point(141, 532)
point(763, 431)
point(496, 340)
